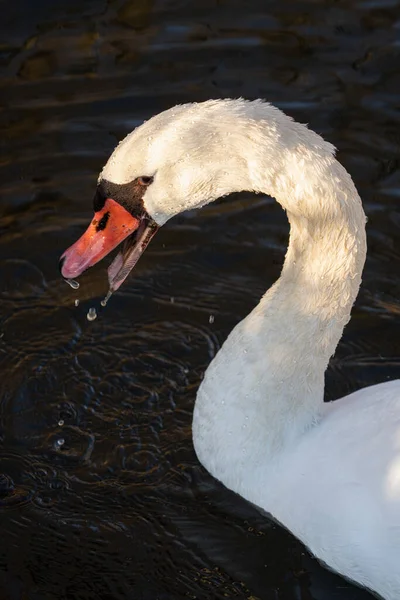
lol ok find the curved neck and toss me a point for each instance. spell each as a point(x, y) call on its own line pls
point(269, 374)
point(302, 316)
point(322, 271)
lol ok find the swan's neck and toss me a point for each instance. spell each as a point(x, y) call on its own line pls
point(265, 386)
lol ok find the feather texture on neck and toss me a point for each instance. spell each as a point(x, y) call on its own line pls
point(270, 371)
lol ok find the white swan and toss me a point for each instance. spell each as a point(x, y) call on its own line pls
point(329, 472)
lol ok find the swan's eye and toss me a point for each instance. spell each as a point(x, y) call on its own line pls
point(144, 180)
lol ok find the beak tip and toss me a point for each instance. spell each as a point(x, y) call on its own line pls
point(61, 264)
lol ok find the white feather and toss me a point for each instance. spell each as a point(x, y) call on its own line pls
point(329, 472)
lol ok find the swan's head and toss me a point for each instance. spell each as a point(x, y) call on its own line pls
point(178, 160)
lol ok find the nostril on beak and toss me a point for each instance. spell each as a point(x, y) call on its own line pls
point(61, 263)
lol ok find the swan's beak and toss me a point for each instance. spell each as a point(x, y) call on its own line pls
point(110, 226)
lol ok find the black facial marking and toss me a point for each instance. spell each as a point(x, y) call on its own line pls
point(103, 222)
point(129, 195)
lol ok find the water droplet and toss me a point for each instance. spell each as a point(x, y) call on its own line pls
point(211, 319)
point(76, 302)
point(246, 418)
point(229, 432)
point(244, 426)
point(92, 314)
point(74, 284)
point(222, 401)
point(106, 299)
point(245, 351)
point(61, 422)
point(60, 442)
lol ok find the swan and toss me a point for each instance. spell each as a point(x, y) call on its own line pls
point(328, 472)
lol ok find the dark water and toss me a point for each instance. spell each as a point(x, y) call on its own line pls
point(101, 495)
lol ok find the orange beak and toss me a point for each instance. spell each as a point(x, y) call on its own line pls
point(111, 225)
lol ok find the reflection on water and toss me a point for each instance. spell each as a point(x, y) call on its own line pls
point(101, 495)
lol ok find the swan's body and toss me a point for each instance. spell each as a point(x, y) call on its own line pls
point(329, 472)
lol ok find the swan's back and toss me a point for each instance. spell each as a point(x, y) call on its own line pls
point(339, 489)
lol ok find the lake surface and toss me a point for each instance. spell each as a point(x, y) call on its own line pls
point(101, 494)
